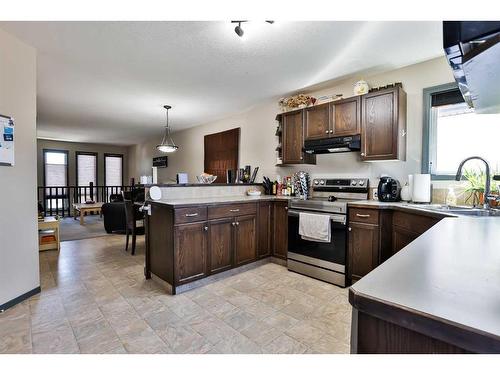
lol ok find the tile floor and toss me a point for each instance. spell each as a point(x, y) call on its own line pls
point(95, 300)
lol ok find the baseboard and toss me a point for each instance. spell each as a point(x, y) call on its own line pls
point(19, 299)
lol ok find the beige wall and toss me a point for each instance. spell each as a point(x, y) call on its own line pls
point(72, 147)
point(258, 141)
point(19, 271)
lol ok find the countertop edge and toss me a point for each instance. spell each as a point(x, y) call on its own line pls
point(263, 198)
point(451, 332)
point(397, 206)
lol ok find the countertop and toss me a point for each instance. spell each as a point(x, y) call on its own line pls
point(218, 200)
point(450, 274)
point(401, 206)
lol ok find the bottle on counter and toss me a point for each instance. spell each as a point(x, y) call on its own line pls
point(451, 198)
point(275, 187)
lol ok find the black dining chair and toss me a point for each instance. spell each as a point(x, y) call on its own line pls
point(132, 215)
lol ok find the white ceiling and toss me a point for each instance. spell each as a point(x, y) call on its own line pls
point(107, 81)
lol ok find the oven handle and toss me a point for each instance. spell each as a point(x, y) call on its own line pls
point(335, 218)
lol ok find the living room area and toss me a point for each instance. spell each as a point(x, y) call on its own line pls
point(80, 191)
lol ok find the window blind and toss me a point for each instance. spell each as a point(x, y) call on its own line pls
point(87, 169)
point(114, 173)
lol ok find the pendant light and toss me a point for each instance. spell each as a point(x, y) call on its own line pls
point(167, 144)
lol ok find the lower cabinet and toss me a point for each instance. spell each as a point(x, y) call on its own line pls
point(265, 219)
point(280, 229)
point(220, 245)
point(190, 252)
point(401, 237)
point(363, 249)
point(244, 239)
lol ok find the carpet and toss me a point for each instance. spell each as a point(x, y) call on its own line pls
point(72, 230)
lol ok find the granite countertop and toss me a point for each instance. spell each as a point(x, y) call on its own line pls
point(221, 199)
point(451, 273)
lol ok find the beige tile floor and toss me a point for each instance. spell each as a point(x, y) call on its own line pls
point(95, 300)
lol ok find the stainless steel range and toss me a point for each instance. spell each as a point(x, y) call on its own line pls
point(324, 260)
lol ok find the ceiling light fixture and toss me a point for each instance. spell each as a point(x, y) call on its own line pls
point(167, 144)
point(239, 30)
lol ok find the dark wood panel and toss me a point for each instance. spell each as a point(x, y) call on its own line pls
point(317, 122)
point(229, 210)
point(190, 252)
point(245, 239)
point(220, 244)
point(190, 214)
point(221, 153)
point(160, 245)
point(363, 249)
point(376, 336)
point(402, 237)
point(364, 215)
point(293, 139)
point(264, 229)
point(346, 117)
point(414, 222)
point(280, 230)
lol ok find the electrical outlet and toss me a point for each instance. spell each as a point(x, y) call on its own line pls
point(374, 193)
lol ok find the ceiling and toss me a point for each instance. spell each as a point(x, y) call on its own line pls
point(107, 82)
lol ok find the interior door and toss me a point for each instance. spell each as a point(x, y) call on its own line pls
point(245, 239)
point(220, 244)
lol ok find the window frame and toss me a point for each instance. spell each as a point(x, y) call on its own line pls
point(426, 129)
point(47, 150)
point(96, 165)
point(113, 155)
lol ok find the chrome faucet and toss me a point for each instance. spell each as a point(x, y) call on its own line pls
point(487, 189)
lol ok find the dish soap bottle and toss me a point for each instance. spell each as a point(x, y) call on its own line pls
point(451, 198)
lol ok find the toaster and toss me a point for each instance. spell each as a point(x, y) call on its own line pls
point(389, 189)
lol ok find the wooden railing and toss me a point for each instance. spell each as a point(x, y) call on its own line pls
point(59, 200)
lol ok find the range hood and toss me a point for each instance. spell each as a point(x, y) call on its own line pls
point(473, 52)
point(333, 145)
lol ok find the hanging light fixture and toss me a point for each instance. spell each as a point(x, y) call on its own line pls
point(167, 144)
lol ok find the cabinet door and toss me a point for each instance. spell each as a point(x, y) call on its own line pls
point(293, 140)
point(245, 239)
point(401, 237)
point(280, 229)
point(220, 245)
point(363, 249)
point(379, 125)
point(317, 122)
point(264, 229)
point(190, 252)
point(346, 117)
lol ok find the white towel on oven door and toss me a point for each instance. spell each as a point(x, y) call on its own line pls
point(315, 227)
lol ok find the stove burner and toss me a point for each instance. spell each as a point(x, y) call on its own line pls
point(332, 198)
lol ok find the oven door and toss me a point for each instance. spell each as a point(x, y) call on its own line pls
point(330, 255)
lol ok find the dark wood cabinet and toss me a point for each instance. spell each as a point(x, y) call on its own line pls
point(291, 138)
point(317, 123)
point(265, 218)
point(401, 237)
point(363, 249)
point(244, 239)
point(190, 252)
point(220, 245)
point(383, 125)
point(346, 117)
point(406, 227)
point(280, 230)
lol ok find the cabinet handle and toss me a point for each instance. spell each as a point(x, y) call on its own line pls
point(350, 229)
point(362, 215)
point(205, 228)
point(331, 131)
point(362, 154)
point(286, 208)
point(235, 210)
point(233, 224)
point(191, 215)
point(237, 223)
point(327, 132)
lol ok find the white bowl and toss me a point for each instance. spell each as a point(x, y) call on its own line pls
point(206, 179)
point(254, 193)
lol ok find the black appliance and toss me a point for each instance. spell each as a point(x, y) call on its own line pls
point(333, 145)
point(324, 260)
point(389, 189)
point(473, 52)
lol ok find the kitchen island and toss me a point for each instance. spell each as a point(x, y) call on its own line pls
point(192, 239)
point(439, 294)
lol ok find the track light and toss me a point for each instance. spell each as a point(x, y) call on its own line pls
point(239, 30)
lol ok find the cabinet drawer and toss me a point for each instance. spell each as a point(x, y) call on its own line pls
point(363, 215)
point(190, 215)
point(413, 222)
point(229, 210)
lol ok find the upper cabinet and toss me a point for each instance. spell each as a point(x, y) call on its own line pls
point(383, 125)
point(292, 139)
point(317, 122)
point(346, 117)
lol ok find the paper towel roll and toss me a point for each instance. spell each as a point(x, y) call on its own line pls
point(421, 188)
